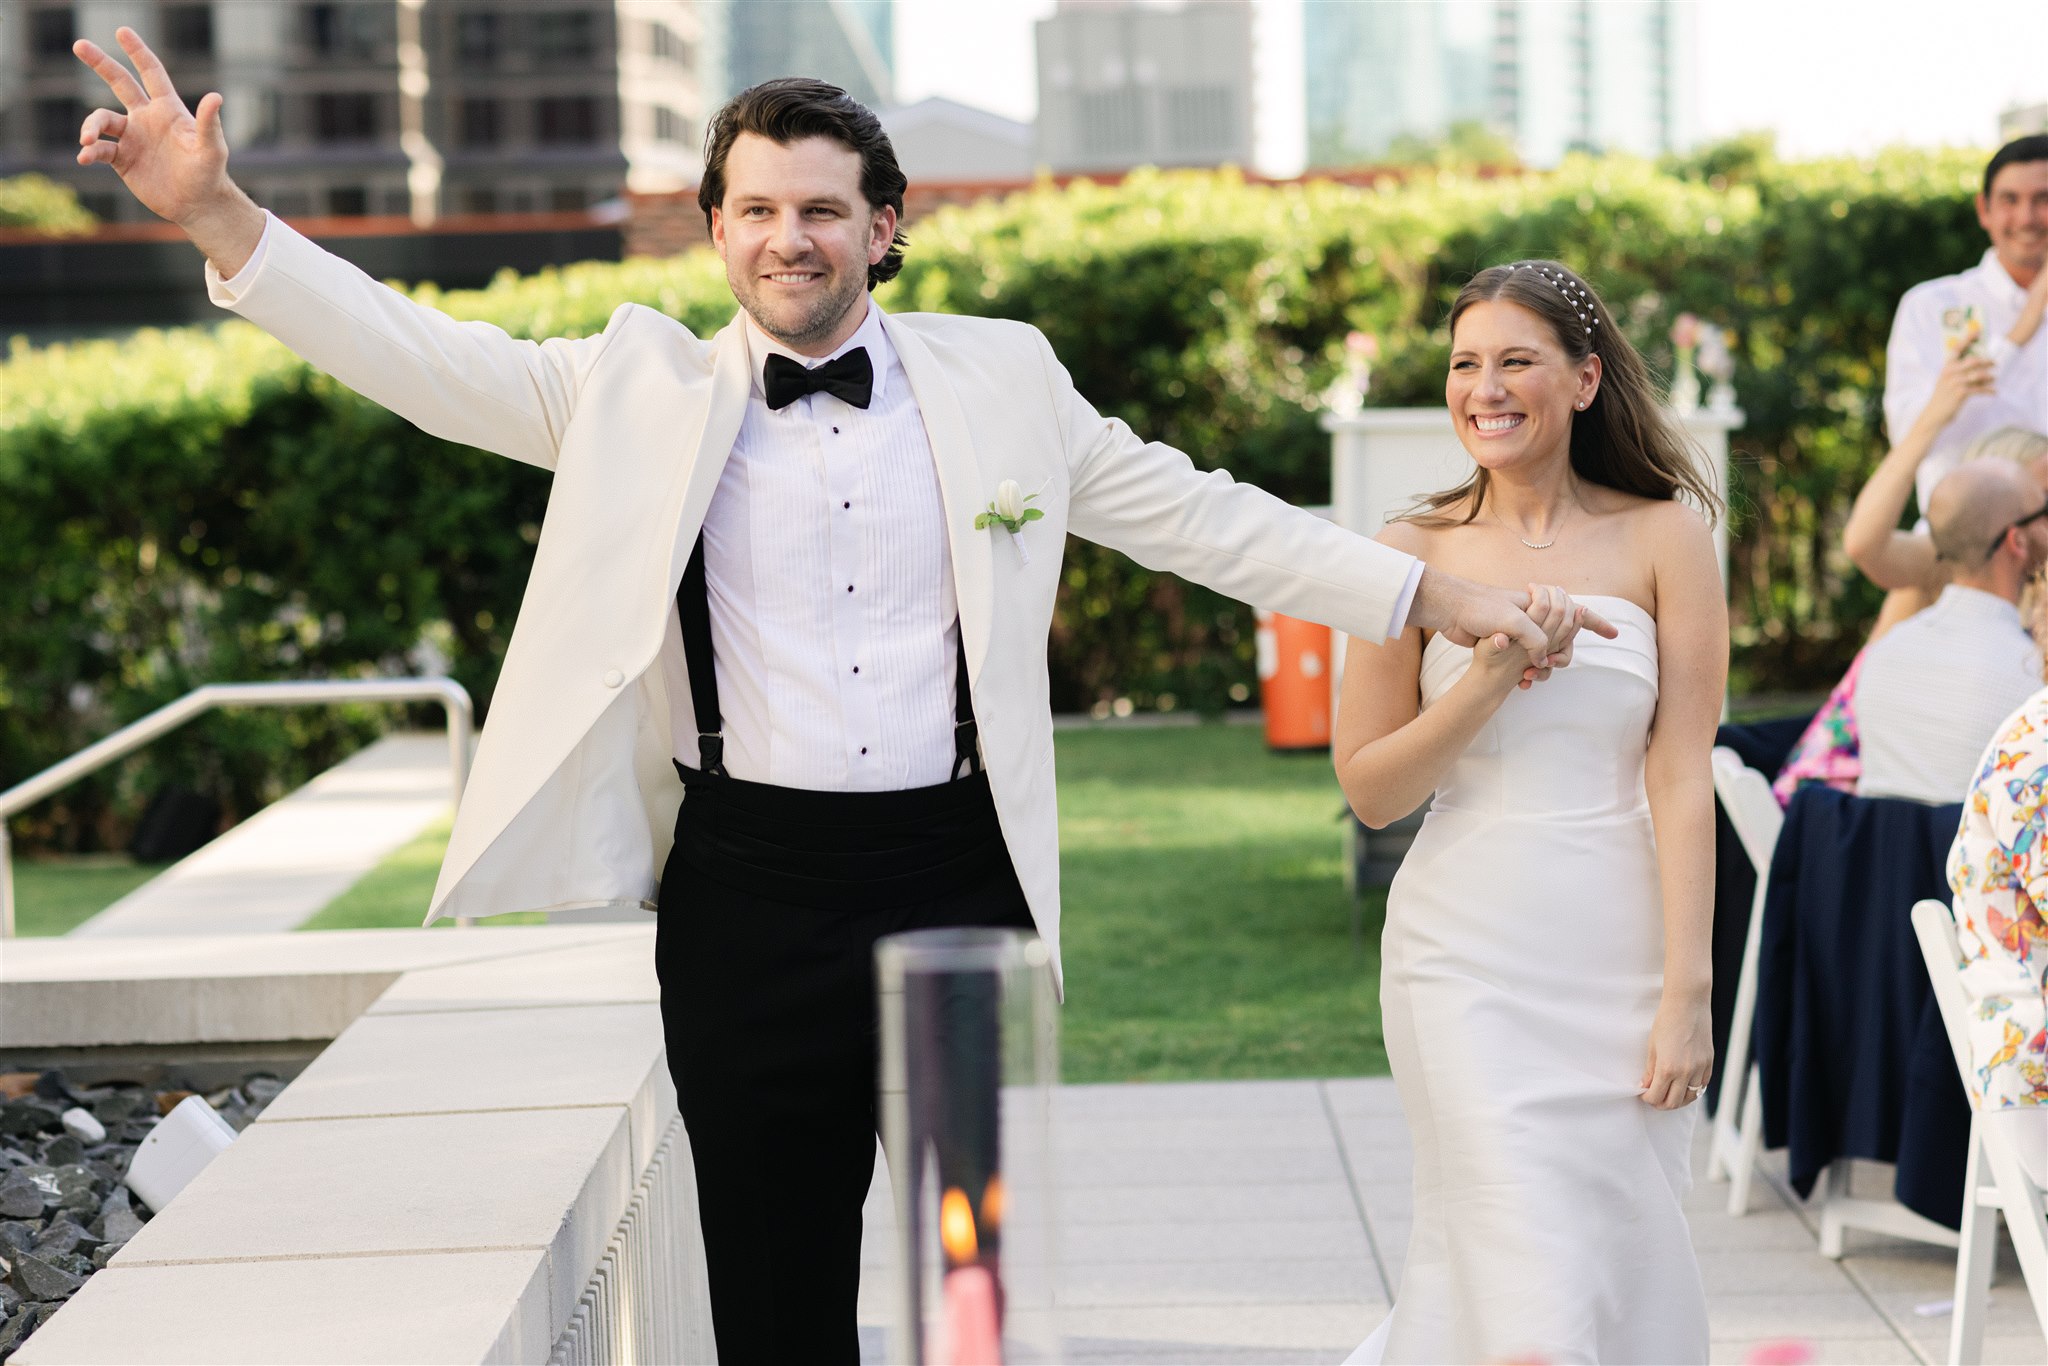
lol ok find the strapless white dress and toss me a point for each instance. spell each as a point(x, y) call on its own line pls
point(1521, 967)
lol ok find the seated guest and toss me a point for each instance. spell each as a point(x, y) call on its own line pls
point(1998, 870)
point(1902, 562)
point(1932, 691)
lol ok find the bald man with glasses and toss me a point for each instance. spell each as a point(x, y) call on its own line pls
point(1935, 687)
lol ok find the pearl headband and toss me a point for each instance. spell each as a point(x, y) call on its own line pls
point(1576, 296)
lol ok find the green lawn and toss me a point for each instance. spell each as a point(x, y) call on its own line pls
point(52, 896)
point(1205, 925)
point(394, 894)
point(1206, 928)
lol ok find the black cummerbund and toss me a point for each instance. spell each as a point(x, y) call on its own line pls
point(853, 851)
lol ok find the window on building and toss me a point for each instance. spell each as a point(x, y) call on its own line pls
point(669, 126)
point(188, 31)
point(396, 200)
point(668, 45)
point(564, 36)
point(350, 32)
point(289, 203)
point(345, 116)
point(57, 120)
point(1113, 123)
point(101, 204)
point(1201, 120)
point(567, 199)
point(478, 35)
point(348, 201)
point(479, 199)
point(565, 119)
point(519, 201)
point(51, 32)
point(480, 123)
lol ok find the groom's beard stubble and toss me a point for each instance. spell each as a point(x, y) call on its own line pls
point(797, 324)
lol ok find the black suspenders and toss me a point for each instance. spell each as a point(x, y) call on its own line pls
point(693, 612)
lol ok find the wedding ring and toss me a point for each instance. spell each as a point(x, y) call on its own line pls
point(1697, 1089)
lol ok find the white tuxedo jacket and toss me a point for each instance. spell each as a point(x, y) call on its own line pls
point(571, 800)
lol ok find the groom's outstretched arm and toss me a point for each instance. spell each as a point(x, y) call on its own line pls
point(466, 382)
point(1149, 501)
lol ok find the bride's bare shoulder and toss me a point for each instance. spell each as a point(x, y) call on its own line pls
point(1404, 536)
point(1422, 535)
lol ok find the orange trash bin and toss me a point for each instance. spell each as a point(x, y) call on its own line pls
point(1294, 681)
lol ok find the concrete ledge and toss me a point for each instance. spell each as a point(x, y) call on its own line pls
point(67, 992)
point(441, 1184)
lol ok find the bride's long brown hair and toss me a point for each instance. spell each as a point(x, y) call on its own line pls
point(1623, 439)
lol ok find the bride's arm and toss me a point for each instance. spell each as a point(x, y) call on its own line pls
point(1389, 753)
point(1692, 657)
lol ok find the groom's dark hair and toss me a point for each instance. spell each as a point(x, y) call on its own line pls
point(790, 109)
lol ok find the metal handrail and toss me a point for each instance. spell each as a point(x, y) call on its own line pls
point(452, 696)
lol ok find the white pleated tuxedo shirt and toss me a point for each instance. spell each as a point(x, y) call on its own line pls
point(834, 624)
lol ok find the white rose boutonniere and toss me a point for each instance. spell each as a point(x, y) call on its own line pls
point(1010, 511)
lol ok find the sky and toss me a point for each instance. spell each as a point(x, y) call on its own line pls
point(1829, 76)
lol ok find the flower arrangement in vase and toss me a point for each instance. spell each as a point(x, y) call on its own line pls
point(1346, 394)
point(1685, 381)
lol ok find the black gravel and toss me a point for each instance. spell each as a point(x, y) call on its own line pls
point(64, 1210)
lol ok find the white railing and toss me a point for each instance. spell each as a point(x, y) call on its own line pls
point(452, 696)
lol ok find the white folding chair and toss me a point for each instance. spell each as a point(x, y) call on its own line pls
point(1746, 796)
point(1994, 1182)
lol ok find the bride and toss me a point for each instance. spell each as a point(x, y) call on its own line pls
point(1545, 965)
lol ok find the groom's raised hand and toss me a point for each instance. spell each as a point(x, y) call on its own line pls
point(173, 159)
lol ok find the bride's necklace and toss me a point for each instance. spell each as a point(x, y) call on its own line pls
point(1533, 545)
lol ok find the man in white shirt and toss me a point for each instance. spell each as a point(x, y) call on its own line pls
point(1936, 686)
point(769, 566)
point(2008, 289)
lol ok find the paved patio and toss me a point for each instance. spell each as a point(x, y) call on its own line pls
point(1265, 1222)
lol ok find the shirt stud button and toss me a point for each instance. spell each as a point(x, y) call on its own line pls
point(612, 678)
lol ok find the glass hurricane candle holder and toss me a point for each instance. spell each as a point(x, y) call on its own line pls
point(970, 1059)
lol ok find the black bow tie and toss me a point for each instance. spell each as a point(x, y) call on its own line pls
point(851, 377)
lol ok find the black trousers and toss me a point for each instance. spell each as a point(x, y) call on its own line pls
point(770, 907)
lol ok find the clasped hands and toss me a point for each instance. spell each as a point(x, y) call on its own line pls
point(1525, 634)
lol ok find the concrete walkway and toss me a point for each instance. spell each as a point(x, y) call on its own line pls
point(279, 867)
point(1246, 1222)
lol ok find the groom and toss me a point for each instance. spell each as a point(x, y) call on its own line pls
point(764, 568)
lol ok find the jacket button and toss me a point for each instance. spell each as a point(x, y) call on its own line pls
point(612, 678)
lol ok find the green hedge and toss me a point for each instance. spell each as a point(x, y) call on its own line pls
point(36, 203)
point(199, 505)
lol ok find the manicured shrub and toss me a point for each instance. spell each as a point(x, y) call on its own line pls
point(196, 505)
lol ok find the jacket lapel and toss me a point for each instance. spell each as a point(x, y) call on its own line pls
point(731, 381)
point(962, 486)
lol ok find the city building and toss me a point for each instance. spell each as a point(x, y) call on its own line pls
point(1125, 84)
point(1373, 74)
point(1551, 76)
point(938, 139)
point(2022, 120)
point(1592, 77)
point(416, 107)
point(850, 43)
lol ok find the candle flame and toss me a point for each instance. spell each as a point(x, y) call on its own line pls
point(956, 1226)
point(992, 1203)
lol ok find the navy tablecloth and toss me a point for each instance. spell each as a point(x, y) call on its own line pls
point(1854, 1059)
